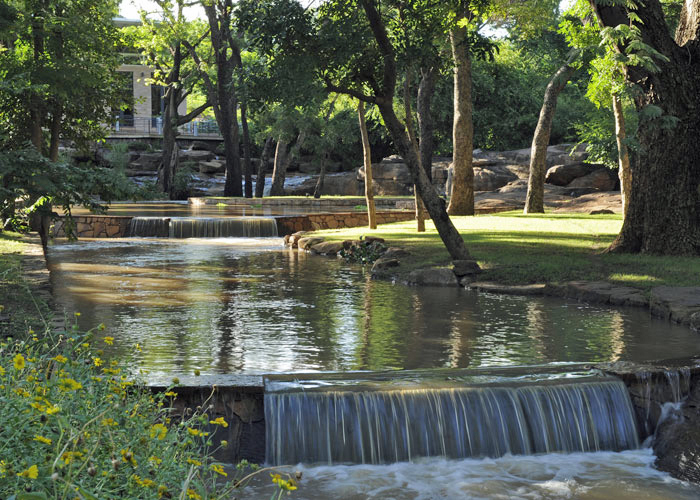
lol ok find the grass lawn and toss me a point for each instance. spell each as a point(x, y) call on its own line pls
point(20, 308)
point(513, 248)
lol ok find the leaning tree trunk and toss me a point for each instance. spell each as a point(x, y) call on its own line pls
point(534, 202)
point(426, 125)
point(367, 162)
point(462, 195)
point(433, 203)
point(663, 216)
point(262, 167)
point(623, 156)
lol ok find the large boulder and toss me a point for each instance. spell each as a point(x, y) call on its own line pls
point(492, 178)
point(342, 184)
point(602, 179)
point(147, 162)
point(205, 146)
point(677, 441)
point(196, 156)
point(433, 276)
point(562, 175)
point(212, 167)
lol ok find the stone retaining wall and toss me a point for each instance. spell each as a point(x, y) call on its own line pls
point(94, 226)
point(243, 409)
point(314, 222)
point(101, 226)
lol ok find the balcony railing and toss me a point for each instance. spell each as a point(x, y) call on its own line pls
point(130, 125)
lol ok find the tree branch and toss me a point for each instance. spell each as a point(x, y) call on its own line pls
point(193, 114)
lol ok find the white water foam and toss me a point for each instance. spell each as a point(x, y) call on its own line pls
point(627, 475)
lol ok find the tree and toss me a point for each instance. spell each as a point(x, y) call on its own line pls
point(534, 200)
point(367, 162)
point(160, 43)
point(221, 90)
point(376, 70)
point(663, 216)
point(57, 72)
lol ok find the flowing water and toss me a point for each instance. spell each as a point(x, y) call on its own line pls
point(400, 425)
point(249, 305)
point(628, 475)
point(246, 305)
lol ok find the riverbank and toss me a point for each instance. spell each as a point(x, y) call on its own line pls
point(24, 284)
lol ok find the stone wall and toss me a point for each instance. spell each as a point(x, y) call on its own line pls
point(314, 222)
point(243, 409)
point(94, 226)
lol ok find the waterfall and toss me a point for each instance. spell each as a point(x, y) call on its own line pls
point(386, 426)
point(149, 227)
point(245, 227)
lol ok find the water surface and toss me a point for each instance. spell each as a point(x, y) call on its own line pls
point(249, 305)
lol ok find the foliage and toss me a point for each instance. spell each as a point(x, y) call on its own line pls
point(74, 424)
point(38, 183)
point(363, 252)
point(57, 71)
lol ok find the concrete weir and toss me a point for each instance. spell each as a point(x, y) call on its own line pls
point(241, 400)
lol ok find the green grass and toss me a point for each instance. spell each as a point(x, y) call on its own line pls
point(20, 309)
point(513, 248)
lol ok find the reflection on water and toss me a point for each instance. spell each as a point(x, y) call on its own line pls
point(583, 476)
point(249, 305)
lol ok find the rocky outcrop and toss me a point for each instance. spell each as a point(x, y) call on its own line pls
point(433, 276)
point(342, 184)
point(679, 303)
point(561, 175)
point(677, 441)
point(212, 167)
point(602, 179)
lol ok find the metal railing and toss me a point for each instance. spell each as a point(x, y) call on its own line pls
point(131, 125)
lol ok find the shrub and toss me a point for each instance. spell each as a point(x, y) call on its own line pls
point(74, 425)
point(139, 146)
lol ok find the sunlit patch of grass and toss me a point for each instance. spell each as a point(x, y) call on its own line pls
point(514, 248)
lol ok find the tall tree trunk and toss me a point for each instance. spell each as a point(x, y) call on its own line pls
point(420, 209)
point(367, 162)
point(229, 130)
point(279, 169)
point(262, 167)
point(433, 203)
point(623, 156)
point(55, 132)
point(534, 202)
point(167, 167)
point(663, 216)
point(321, 175)
point(385, 102)
point(325, 155)
point(247, 168)
point(426, 125)
point(279, 173)
point(462, 195)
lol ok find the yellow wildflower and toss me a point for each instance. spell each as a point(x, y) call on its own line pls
point(109, 340)
point(2, 371)
point(218, 469)
point(159, 431)
point(108, 422)
point(193, 494)
point(194, 462)
point(69, 384)
point(224, 443)
point(171, 394)
point(128, 457)
point(60, 359)
point(18, 362)
point(97, 361)
point(32, 472)
point(137, 347)
point(70, 456)
point(219, 421)
point(155, 460)
point(42, 439)
point(20, 391)
point(3, 467)
point(196, 432)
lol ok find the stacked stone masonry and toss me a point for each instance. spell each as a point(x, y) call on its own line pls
point(94, 226)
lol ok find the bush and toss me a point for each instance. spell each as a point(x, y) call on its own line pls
point(138, 146)
point(74, 425)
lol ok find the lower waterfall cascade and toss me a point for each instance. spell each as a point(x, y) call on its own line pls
point(387, 426)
